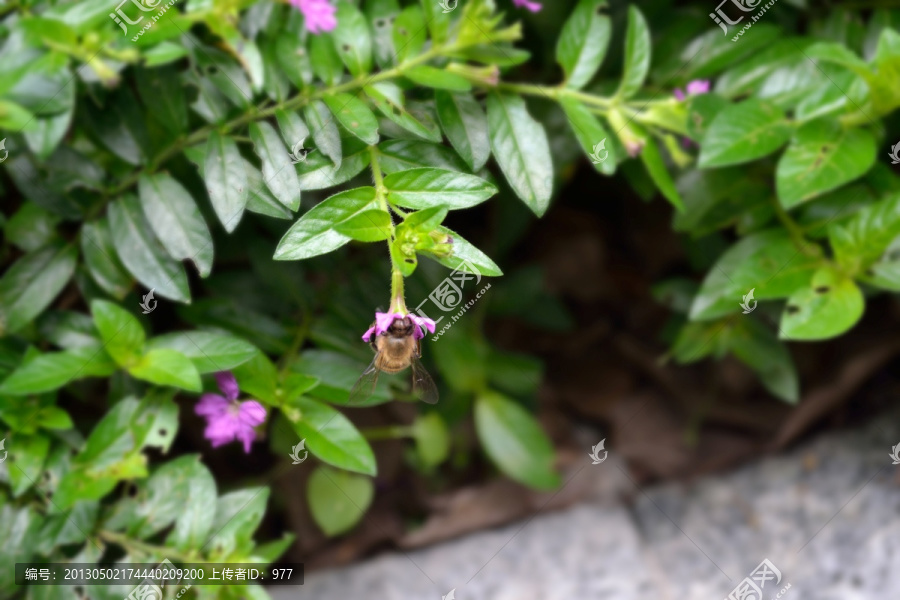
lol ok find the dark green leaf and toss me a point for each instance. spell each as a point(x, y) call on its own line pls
point(427, 187)
point(367, 226)
point(352, 39)
point(122, 334)
point(333, 438)
point(176, 220)
point(102, 261)
point(209, 351)
point(463, 120)
point(354, 115)
point(226, 180)
point(277, 169)
point(743, 132)
point(438, 78)
point(583, 42)
point(514, 441)
point(163, 366)
point(637, 54)
point(29, 286)
point(53, 370)
point(521, 149)
point(338, 499)
point(324, 130)
point(314, 234)
point(590, 134)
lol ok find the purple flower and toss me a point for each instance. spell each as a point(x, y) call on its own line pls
point(532, 6)
point(383, 322)
point(227, 419)
point(317, 14)
point(693, 88)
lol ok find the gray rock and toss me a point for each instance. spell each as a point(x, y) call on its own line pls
point(827, 515)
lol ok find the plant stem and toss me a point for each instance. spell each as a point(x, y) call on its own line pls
point(794, 230)
point(144, 548)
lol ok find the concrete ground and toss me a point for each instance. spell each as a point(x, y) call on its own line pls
point(826, 515)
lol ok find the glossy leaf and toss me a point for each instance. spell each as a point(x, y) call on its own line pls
point(354, 115)
point(368, 226)
point(743, 132)
point(465, 124)
point(520, 146)
point(637, 54)
point(583, 42)
point(332, 438)
point(226, 180)
point(277, 169)
point(32, 283)
point(338, 499)
point(828, 306)
point(427, 187)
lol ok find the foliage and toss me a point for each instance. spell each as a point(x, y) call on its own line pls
point(218, 129)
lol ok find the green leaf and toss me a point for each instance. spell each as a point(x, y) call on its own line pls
point(637, 54)
point(520, 146)
point(514, 441)
point(101, 259)
point(409, 33)
point(368, 226)
point(27, 454)
point(352, 39)
point(465, 124)
point(209, 351)
point(314, 234)
point(432, 439)
point(31, 227)
point(866, 235)
point(259, 378)
point(333, 438)
point(743, 132)
point(757, 347)
point(122, 334)
point(293, 129)
point(324, 130)
point(337, 374)
point(238, 514)
point(338, 499)
point(53, 370)
point(324, 59)
point(821, 157)
point(440, 79)
point(277, 169)
point(583, 42)
point(388, 98)
point(653, 161)
point(427, 187)
point(426, 220)
point(32, 283)
point(830, 305)
point(402, 155)
point(404, 258)
point(589, 133)
point(767, 262)
point(141, 252)
point(226, 180)
point(467, 257)
point(176, 220)
point(354, 115)
point(161, 89)
point(163, 366)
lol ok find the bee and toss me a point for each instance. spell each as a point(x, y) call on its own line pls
point(396, 349)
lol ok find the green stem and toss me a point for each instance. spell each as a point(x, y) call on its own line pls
point(794, 230)
point(398, 304)
point(391, 432)
point(133, 545)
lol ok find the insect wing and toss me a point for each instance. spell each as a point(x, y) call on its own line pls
point(365, 385)
point(423, 385)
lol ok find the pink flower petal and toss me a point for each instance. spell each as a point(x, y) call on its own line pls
point(422, 323)
point(532, 6)
point(679, 94)
point(698, 86)
point(318, 15)
point(228, 384)
point(211, 405)
point(251, 413)
point(367, 336)
point(384, 320)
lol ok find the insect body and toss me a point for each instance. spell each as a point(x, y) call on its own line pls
point(396, 349)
